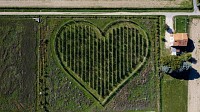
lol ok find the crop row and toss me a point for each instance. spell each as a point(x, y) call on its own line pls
point(102, 62)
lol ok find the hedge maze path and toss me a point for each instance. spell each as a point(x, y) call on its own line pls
point(101, 59)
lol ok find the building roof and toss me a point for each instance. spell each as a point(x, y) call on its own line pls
point(180, 39)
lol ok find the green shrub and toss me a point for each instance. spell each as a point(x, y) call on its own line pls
point(175, 62)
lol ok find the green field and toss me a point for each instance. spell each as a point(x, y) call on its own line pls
point(80, 63)
point(94, 68)
point(18, 64)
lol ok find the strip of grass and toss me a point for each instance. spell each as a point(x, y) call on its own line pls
point(174, 94)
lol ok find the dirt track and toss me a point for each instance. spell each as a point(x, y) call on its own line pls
point(93, 3)
point(194, 82)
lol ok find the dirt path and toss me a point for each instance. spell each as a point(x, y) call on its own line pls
point(194, 83)
point(94, 3)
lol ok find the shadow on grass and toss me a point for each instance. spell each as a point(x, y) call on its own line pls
point(191, 74)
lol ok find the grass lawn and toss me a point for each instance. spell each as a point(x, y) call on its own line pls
point(181, 24)
point(174, 94)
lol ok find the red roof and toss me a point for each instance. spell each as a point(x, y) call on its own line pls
point(180, 39)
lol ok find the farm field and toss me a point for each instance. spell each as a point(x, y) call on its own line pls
point(92, 63)
point(80, 63)
point(141, 4)
point(18, 63)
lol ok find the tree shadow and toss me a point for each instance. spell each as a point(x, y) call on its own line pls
point(193, 60)
point(164, 40)
point(170, 31)
point(191, 74)
point(194, 74)
point(190, 46)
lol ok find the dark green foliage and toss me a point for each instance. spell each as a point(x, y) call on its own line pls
point(176, 63)
point(171, 61)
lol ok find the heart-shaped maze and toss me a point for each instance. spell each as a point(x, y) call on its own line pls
point(101, 60)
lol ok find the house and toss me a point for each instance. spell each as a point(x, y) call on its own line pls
point(178, 42)
point(180, 39)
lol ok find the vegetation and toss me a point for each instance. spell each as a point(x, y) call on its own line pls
point(101, 35)
point(172, 63)
point(173, 91)
point(110, 59)
point(181, 24)
point(17, 64)
point(102, 44)
point(174, 94)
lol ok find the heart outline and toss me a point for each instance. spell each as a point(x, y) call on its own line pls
point(102, 34)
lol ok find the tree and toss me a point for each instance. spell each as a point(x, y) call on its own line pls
point(173, 63)
point(166, 69)
point(185, 66)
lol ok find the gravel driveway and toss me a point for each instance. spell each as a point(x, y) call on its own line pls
point(194, 82)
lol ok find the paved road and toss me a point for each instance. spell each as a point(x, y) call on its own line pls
point(193, 106)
